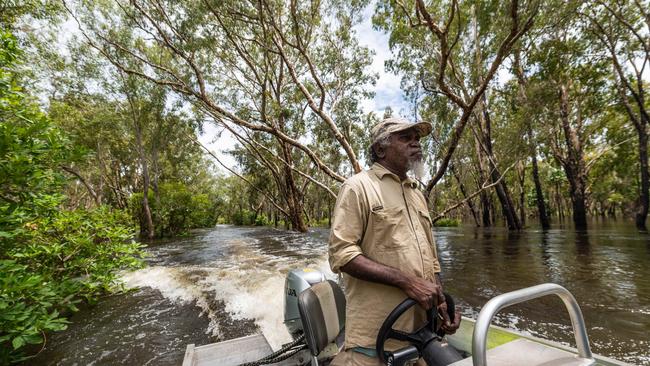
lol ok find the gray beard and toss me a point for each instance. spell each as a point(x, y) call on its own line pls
point(416, 167)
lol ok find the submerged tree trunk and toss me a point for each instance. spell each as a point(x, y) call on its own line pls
point(558, 202)
point(539, 193)
point(293, 197)
point(501, 188)
point(521, 174)
point(573, 163)
point(484, 198)
point(644, 199)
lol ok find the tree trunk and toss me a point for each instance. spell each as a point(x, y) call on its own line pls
point(578, 202)
point(149, 230)
point(483, 196)
point(485, 209)
point(329, 212)
point(558, 202)
point(156, 175)
point(644, 200)
point(503, 193)
point(102, 174)
point(539, 195)
point(505, 199)
point(573, 163)
point(521, 173)
point(470, 205)
point(292, 194)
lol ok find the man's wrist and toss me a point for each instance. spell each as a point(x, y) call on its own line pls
point(402, 280)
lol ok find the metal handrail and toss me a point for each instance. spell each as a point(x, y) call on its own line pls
point(479, 338)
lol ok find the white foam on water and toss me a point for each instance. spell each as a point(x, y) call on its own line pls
point(259, 299)
point(250, 283)
point(259, 295)
point(167, 280)
point(175, 284)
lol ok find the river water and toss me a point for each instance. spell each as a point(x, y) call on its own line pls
point(228, 282)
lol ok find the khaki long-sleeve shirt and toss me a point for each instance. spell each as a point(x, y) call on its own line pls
point(386, 220)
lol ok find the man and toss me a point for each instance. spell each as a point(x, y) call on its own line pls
point(382, 242)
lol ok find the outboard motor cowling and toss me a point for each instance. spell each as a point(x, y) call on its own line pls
point(297, 281)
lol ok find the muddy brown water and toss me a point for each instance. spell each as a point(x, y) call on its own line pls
point(228, 281)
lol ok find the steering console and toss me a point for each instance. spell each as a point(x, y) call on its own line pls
point(425, 342)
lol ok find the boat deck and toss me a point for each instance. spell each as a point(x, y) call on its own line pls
point(506, 347)
point(525, 352)
point(237, 351)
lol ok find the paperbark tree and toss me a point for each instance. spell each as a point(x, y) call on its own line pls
point(227, 57)
point(574, 98)
point(573, 160)
point(623, 28)
point(523, 98)
point(430, 38)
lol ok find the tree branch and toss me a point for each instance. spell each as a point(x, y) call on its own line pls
point(471, 196)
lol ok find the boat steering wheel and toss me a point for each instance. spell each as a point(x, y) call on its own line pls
point(425, 341)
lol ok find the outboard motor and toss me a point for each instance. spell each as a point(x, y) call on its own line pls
point(297, 281)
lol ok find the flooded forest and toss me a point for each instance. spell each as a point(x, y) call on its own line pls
point(163, 164)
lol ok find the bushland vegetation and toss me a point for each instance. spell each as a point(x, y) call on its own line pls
point(68, 170)
point(530, 100)
point(539, 111)
point(51, 256)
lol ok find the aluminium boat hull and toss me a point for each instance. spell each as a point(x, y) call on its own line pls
point(506, 347)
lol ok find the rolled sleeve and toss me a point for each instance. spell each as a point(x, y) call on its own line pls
point(348, 225)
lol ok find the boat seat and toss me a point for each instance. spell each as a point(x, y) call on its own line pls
point(322, 312)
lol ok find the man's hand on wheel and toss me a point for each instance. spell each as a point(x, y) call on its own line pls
point(448, 325)
point(426, 293)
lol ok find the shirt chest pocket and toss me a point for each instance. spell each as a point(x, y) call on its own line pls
point(390, 229)
point(425, 221)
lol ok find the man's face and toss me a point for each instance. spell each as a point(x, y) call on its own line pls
point(403, 150)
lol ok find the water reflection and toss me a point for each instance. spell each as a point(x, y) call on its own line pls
point(583, 248)
point(604, 267)
point(512, 245)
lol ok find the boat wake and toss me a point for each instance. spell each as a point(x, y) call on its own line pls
point(243, 286)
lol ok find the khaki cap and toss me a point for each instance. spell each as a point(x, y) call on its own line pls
point(396, 124)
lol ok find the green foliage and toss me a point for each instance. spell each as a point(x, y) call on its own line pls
point(30, 150)
point(27, 308)
point(177, 209)
point(12, 10)
point(54, 262)
point(50, 258)
point(261, 220)
point(445, 222)
point(243, 217)
point(87, 246)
